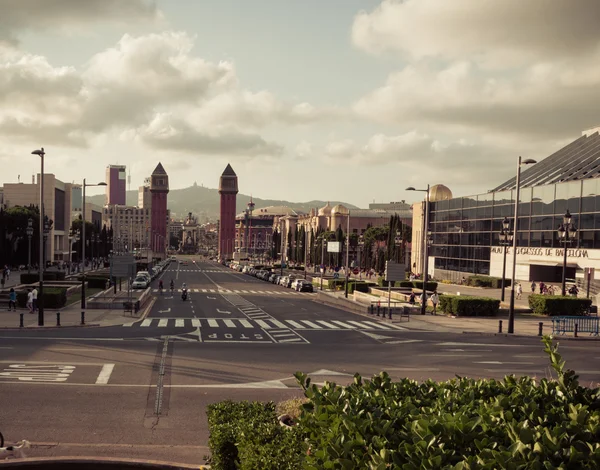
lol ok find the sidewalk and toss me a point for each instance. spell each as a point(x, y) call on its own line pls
point(70, 316)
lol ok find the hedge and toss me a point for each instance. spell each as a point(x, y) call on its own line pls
point(467, 306)
point(558, 305)
point(360, 286)
point(97, 282)
point(32, 278)
point(431, 285)
point(463, 423)
point(487, 281)
point(54, 297)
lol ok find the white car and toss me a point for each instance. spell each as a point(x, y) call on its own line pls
point(146, 274)
point(141, 282)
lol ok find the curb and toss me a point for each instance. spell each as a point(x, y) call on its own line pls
point(508, 335)
point(97, 462)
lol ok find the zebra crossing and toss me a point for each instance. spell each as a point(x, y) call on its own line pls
point(277, 328)
point(240, 291)
point(201, 270)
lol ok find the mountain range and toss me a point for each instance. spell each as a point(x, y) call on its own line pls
point(204, 202)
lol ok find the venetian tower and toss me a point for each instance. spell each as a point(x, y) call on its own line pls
point(159, 187)
point(228, 189)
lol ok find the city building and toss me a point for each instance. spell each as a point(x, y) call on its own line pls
point(130, 226)
point(116, 185)
point(390, 206)
point(159, 188)
point(57, 207)
point(465, 230)
point(228, 189)
point(144, 195)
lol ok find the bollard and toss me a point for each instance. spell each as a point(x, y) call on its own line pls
point(21, 320)
point(499, 326)
point(378, 309)
point(372, 309)
point(83, 318)
point(575, 330)
point(57, 318)
point(541, 327)
point(383, 313)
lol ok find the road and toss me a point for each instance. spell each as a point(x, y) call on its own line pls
point(141, 390)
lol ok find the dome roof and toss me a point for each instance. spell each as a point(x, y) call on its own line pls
point(339, 209)
point(325, 210)
point(439, 192)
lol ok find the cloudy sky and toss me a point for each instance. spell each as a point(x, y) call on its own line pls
point(317, 99)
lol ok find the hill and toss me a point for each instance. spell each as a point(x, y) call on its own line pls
point(204, 202)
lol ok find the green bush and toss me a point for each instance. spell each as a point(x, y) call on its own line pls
point(406, 284)
point(466, 306)
point(22, 298)
point(487, 281)
point(247, 435)
point(32, 278)
point(558, 305)
point(54, 297)
point(431, 285)
point(60, 275)
point(334, 284)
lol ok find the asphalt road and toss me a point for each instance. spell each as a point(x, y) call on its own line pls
point(141, 391)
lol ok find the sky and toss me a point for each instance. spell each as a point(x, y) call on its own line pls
point(315, 99)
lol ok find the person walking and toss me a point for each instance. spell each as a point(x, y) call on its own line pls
point(533, 286)
point(12, 299)
point(34, 299)
point(411, 299)
point(30, 301)
point(435, 298)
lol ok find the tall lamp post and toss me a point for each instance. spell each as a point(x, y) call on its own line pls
point(347, 268)
point(41, 154)
point(505, 239)
point(361, 245)
point(29, 231)
point(566, 234)
point(511, 310)
point(85, 185)
point(425, 246)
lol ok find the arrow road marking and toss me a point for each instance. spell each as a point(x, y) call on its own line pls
point(211, 298)
point(498, 362)
point(165, 311)
point(223, 311)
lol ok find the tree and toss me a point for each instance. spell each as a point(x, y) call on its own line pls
point(13, 235)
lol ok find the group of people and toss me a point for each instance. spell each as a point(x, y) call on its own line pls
point(32, 300)
point(434, 298)
point(547, 289)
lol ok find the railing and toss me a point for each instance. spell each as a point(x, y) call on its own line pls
point(563, 325)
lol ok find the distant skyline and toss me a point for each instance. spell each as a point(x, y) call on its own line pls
point(351, 100)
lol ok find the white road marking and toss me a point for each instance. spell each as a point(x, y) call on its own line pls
point(179, 323)
point(213, 323)
point(229, 323)
point(253, 292)
point(342, 324)
point(195, 322)
point(294, 324)
point(376, 325)
point(396, 327)
point(245, 323)
point(146, 322)
point(105, 374)
point(212, 291)
point(312, 325)
point(129, 324)
point(328, 325)
point(204, 291)
point(291, 340)
point(196, 290)
point(487, 344)
point(279, 324)
point(500, 363)
point(262, 324)
point(360, 325)
point(163, 322)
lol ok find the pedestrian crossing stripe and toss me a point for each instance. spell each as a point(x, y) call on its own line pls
point(273, 326)
point(237, 291)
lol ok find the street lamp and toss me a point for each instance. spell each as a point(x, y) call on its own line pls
point(29, 231)
point(505, 239)
point(511, 310)
point(47, 227)
point(361, 244)
point(41, 154)
point(566, 234)
point(425, 246)
point(85, 185)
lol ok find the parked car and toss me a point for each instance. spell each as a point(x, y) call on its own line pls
point(296, 283)
point(146, 274)
point(304, 286)
point(290, 281)
point(141, 282)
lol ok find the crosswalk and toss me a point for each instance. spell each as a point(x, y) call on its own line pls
point(202, 270)
point(275, 327)
point(241, 291)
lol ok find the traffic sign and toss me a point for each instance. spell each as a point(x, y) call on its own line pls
point(356, 271)
point(123, 265)
point(394, 271)
point(336, 275)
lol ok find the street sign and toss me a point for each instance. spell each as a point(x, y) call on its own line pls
point(334, 247)
point(394, 271)
point(356, 271)
point(123, 265)
point(336, 275)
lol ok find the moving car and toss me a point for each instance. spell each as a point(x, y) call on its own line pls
point(146, 274)
point(141, 282)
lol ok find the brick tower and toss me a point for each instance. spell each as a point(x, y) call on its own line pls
point(159, 187)
point(228, 189)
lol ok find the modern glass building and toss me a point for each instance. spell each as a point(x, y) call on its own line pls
point(465, 231)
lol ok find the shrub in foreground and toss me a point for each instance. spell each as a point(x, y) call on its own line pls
point(559, 305)
point(487, 281)
point(459, 424)
point(466, 306)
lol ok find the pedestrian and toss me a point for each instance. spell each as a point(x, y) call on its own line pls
point(34, 299)
point(519, 290)
point(12, 300)
point(30, 300)
point(542, 288)
point(411, 299)
point(574, 290)
point(435, 298)
point(533, 286)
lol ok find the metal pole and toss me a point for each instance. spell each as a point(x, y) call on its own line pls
point(29, 255)
point(83, 248)
point(503, 274)
point(426, 255)
point(511, 310)
point(564, 273)
point(322, 257)
point(347, 251)
point(588, 275)
point(282, 248)
point(41, 292)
